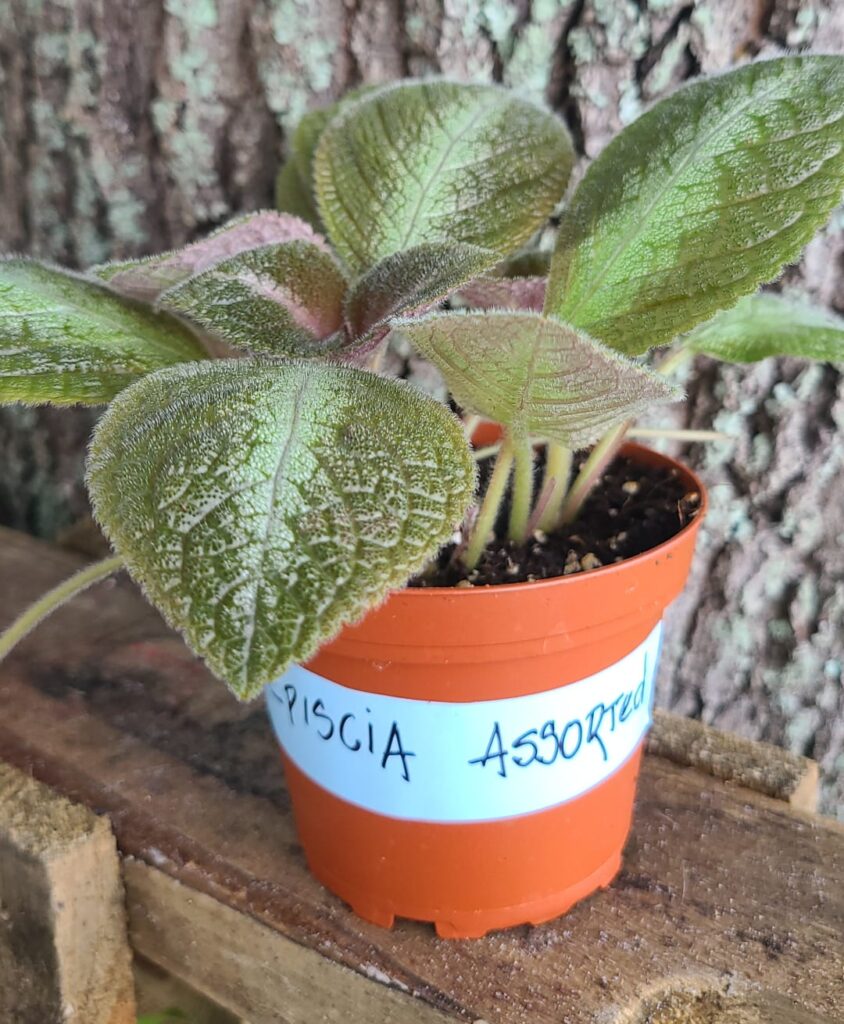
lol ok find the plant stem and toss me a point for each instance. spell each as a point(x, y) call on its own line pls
point(522, 497)
point(54, 599)
point(470, 425)
point(539, 505)
point(590, 472)
point(557, 468)
point(485, 523)
point(675, 359)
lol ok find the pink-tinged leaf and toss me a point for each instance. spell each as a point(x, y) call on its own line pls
point(505, 293)
point(363, 352)
point(412, 280)
point(282, 299)
point(147, 278)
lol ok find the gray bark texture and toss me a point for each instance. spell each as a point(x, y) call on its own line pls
point(134, 126)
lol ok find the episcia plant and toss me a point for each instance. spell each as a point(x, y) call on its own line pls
point(254, 472)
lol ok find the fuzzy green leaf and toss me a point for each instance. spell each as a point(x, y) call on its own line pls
point(412, 280)
point(281, 299)
point(147, 278)
point(700, 200)
point(535, 375)
point(67, 340)
point(262, 505)
point(295, 196)
point(294, 185)
point(437, 161)
point(766, 325)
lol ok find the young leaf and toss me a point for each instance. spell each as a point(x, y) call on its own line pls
point(280, 299)
point(412, 280)
point(504, 293)
point(700, 200)
point(147, 278)
point(535, 375)
point(766, 325)
point(262, 505)
point(67, 340)
point(437, 161)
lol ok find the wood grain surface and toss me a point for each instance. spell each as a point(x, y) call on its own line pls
point(728, 898)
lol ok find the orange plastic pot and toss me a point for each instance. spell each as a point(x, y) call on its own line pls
point(445, 656)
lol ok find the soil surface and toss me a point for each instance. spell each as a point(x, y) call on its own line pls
point(633, 509)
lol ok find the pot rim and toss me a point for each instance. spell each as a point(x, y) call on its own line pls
point(631, 448)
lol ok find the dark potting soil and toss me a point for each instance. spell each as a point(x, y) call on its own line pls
point(633, 509)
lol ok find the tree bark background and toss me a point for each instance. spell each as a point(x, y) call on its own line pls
point(133, 126)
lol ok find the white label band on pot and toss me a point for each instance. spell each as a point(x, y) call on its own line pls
point(442, 762)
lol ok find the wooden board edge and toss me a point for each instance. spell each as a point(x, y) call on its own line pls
point(64, 951)
point(761, 767)
point(250, 969)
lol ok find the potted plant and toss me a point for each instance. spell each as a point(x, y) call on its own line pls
point(465, 749)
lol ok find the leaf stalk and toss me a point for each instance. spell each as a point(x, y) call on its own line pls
point(558, 462)
point(485, 523)
point(680, 434)
point(522, 497)
point(674, 360)
point(54, 599)
point(590, 472)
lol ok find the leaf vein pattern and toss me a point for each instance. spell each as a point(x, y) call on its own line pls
point(281, 466)
point(458, 137)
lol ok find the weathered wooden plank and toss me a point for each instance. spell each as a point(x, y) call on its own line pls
point(760, 766)
point(251, 969)
point(710, 1000)
point(64, 955)
point(719, 881)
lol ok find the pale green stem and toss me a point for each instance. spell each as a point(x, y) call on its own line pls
point(54, 599)
point(522, 497)
point(666, 433)
point(470, 425)
point(557, 468)
point(605, 450)
point(485, 523)
point(674, 360)
point(484, 453)
point(590, 472)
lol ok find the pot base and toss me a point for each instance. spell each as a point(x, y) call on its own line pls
point(476, 924)
point(466, 879)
